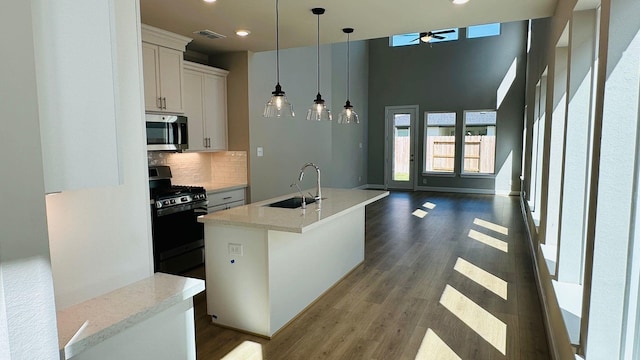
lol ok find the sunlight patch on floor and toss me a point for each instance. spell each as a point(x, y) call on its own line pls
point(478, 319)
point(433, 348)
point(482, 277)
point(491, 226)
point(419, 213)
point(247, 350)
point(429, 205)
point(489, 240)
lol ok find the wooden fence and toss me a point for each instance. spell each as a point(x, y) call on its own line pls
point(479, 153)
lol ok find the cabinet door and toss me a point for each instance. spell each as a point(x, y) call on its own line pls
point(215, 110)
point(171, 79)
point(193, 109)
point(76, 93)
point(151, 75)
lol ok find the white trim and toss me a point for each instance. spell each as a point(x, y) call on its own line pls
point(555, 328)
point(164, 38)
point(413, 169)
point(189, 65)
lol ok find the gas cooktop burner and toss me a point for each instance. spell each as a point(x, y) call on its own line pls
point(164, 195)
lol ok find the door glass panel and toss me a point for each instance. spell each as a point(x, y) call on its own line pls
point(401, 147)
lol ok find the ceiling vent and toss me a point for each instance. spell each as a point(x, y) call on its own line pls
point(210, 34)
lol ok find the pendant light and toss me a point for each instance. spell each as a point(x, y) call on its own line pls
point(278, 105)
point(348, 115)
point(318, 111)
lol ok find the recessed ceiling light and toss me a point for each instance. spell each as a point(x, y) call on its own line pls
point(209, 1)
point(459, 2)
point(243, 32)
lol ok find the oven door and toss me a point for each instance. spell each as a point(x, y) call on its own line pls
point(178, 240)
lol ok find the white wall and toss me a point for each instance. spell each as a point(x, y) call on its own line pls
point(100, 238)
point(27, 316)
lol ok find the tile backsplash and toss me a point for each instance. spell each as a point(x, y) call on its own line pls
point(227, 167)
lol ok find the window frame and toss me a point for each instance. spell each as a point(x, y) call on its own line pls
point(464, 173)
point(425, 152)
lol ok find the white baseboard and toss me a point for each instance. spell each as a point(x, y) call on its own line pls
point(556, 331)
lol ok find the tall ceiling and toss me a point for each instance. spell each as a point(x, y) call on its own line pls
point(298, 26)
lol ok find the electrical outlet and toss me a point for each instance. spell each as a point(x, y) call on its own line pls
point(235, 249)
point(260, 151)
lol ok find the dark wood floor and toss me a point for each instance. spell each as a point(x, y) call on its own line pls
point(418, 294)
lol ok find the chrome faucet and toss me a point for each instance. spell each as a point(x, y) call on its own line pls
point(318, 196)
point(304, 200)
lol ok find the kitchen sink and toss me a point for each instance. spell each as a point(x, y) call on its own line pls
point(292, 203)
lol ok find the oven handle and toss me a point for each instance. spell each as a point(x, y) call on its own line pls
point(200, 211)
point(198, 206)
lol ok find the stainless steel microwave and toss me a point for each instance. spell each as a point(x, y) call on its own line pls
point(166, 132)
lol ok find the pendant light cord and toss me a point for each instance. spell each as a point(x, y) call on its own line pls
point(348, 70)
point(318, 53)
point(277, 43)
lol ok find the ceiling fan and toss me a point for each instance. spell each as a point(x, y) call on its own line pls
point(429, 35)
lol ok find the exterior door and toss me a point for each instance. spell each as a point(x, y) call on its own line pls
point(400, 135)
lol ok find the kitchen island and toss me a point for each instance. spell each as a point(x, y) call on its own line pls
point(265, 265)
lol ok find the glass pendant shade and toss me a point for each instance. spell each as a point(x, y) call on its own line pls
point(348, 115)
point(278, 105)
point(318, 111)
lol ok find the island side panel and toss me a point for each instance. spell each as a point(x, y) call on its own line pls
point(303, 266)
point(166, 336)
point(237, 285)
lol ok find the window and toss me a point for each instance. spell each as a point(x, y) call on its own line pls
point(405, 39)
point(479, 142)
point(414, 38)
point(485, 30)
point(447, 37)
point(440, 142)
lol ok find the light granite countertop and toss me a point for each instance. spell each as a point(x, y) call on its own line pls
point(87, 324)
point(257, 215)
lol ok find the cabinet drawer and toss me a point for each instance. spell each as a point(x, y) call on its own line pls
point(225, 197)
point(212, 209)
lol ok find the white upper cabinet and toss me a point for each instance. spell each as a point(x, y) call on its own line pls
point(162, 64)
point(205, 92)
point(76, 78)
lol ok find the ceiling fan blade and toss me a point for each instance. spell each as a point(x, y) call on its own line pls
point(443, 32)
point(438, 37)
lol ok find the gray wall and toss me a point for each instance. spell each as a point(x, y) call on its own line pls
point(451, 76)
point(289, 143)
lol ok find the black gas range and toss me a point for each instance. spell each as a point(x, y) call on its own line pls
point(178, 238)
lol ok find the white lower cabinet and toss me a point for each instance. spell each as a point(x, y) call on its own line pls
point(205, 91)
point(224, 200)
